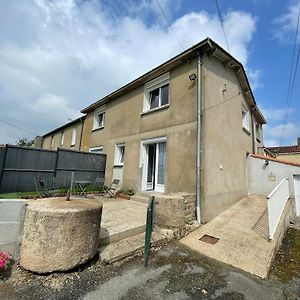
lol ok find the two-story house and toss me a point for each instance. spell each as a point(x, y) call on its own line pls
point(185, 126)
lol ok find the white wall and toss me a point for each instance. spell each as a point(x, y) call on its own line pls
point(12, 213)
point(262, 178)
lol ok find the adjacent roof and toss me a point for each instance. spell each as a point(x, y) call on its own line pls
point(276, 160)
point(285, 149)
point(208, 46)
point(64, 126)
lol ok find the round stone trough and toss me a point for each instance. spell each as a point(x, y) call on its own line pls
point(60, 235)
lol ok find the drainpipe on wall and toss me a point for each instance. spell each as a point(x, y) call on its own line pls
point(253, 132)
point(198, 157)
point(80, 140)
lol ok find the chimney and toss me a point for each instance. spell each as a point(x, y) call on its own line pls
point(298, 140)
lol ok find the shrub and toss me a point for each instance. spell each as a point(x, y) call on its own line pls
point(127, 191)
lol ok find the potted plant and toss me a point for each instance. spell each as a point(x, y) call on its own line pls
point(125, 193)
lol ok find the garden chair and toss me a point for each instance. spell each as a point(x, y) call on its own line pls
point(42, 189)
point(99, 183)
point(112, 190)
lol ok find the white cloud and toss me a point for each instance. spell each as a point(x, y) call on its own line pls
point(272, 134)
point(255, 78)
point(59, 56)
point(286, 23)
point(275, 114)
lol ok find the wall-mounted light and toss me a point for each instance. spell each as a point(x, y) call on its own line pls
point(193, 77)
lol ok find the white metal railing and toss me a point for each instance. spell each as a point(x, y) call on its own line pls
point(276, 203)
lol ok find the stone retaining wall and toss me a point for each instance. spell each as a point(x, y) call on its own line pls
point(174, 210)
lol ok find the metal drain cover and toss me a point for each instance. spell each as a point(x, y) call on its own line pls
point(209, 239)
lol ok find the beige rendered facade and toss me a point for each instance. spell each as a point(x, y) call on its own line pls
point(68, 136)
point(155, 148)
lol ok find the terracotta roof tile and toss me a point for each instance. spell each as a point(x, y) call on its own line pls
point(285, 149)
point(276, 160)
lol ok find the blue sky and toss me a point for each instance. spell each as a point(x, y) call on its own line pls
point(67, 54)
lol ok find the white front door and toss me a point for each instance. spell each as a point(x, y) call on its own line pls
point(297, 193)
point(154, 160)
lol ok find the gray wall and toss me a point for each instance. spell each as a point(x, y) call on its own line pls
point(263, 179)
point(12, 213)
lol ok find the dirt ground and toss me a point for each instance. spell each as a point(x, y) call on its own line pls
point(173, 273)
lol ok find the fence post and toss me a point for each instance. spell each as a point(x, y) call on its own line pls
point(56, 162)
point(3, 166)
point(72, 179)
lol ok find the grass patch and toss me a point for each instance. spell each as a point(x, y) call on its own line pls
point(17, 195)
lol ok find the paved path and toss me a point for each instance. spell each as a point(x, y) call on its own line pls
point(121, 219)
point(239, 245)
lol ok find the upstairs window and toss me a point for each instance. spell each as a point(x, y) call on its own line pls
point(246, 119)
point(119, 155)
point(97, 150)
point(99, 118)
point(52, 141)
point(257, 131)
point(156, 93)
point(73, 139)
point(62, 137)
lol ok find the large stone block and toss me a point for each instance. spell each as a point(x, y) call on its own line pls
point(60, 235)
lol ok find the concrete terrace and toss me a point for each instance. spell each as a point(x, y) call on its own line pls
point(239, 245)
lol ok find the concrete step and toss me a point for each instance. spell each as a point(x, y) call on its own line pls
point(116, 234)
point(126, 247)
point(140, 198)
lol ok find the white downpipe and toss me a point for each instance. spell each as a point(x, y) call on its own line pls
point(198, 158)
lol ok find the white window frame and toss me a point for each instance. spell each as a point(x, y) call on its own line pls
point(96, 125)
point(246, 118)
point(118, 154)
point(52, 141)
point(98, 150)
point(154, 84)
point(62, 138)
point(257, 128)
point(144, 162)
point(73, 137)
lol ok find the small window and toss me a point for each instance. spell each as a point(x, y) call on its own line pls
point(156, 93)
point(99, 118)
point(119, 156)
point(257, 131)
point(62, 137)
point(97, 150)
point(52, 141)
point(73, 139)
point(246, 119)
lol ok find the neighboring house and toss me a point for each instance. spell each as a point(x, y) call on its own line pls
point(148, 128)
point(287, 153)
point(68, 136)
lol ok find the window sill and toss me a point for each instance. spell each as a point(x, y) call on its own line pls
point(118, 165)
point(246, 131)
point(98, 128)
point(154, 110)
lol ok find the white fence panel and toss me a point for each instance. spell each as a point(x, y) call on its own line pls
point(276, 203)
